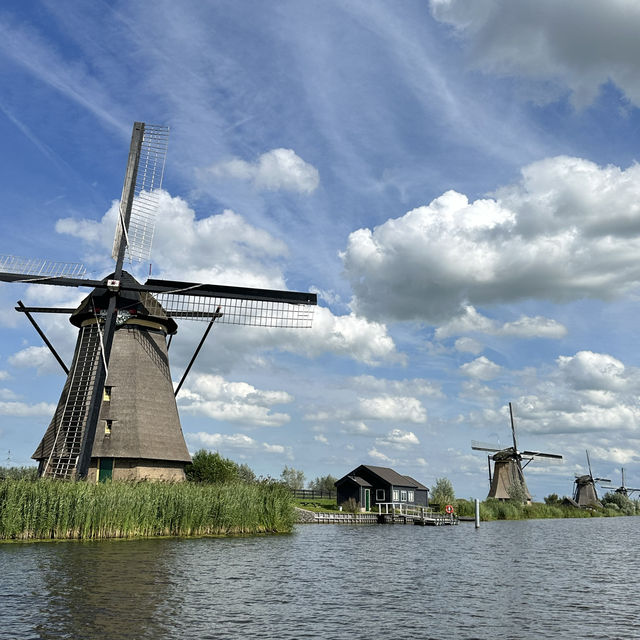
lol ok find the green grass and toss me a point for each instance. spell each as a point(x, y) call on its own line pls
point(492, 509)
point(48, 509)
point(319, 505)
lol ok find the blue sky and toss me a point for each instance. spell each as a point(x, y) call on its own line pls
point(455, 179)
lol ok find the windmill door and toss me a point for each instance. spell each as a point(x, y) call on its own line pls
point(105, 471)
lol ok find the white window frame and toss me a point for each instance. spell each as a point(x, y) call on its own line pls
point(403, 495)
point(396, 495)
point(380, 495)
point(411, 496)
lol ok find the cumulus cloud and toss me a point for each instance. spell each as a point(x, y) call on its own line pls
point(594, 371)
point(398, 439)
point(38, 357)
point(274, 170)
point(244, 256)
point(24, 410)
point(379, 456)
point(481, 368)
point(217, 398)
point(579, 44)
point(236, 441)
point(568, 230)
point(468, 345)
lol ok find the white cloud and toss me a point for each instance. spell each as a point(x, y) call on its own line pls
point(578, 44)
point(481, 368)
point(217, 398)
point(274, 170)
point(468, 345)
point(4, 375)
point(568, 230)
point(322, 439)
point(378, 455)
point(22, 409)
point(398, 408)
point(236, 441)
point(596, 371)
point(38, 357)
point(397, 439)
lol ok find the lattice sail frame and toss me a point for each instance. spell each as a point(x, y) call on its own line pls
point(41, 268)
point(153, 152)
point(241, 311)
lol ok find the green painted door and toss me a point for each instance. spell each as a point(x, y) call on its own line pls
point(106, 469)
point(367, 499)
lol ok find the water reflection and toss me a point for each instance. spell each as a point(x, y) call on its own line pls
point(536, 579)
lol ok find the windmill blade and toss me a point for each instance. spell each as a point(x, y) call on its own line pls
point(141, 191)
point(589, 465)
point(602, 480)
point(513, 428)
point(540, 454)
point(237, 305)
point(34, 269)
point(485, 446)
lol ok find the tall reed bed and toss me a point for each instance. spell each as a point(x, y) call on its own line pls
point(49, 509)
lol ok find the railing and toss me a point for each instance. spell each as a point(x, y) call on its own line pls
point(405, 509)
point(312, 493)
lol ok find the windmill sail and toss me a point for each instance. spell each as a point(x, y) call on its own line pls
point(141, 191)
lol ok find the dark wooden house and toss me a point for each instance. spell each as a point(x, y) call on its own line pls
point(369, 486)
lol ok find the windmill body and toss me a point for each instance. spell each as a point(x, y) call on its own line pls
point(508, 475)
point(138, 435)
point(117, 416)
point(585, 494)
point(507, 472)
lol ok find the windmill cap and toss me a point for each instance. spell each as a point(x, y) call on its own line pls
point(139, 304)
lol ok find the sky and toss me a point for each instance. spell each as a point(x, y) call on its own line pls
point(455, 179)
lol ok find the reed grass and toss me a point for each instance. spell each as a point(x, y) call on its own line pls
point(50, 509)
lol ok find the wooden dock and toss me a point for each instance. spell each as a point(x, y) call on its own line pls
point(388, 513)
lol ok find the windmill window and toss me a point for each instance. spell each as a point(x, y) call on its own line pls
point(108, 425)
point(380, 494)
point(403, 496)
point(396, 495)
point(106, 396)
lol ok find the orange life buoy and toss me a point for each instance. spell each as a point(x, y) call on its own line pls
point(449, 508)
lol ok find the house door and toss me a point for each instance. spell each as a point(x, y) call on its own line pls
point(367, 499)
point(105, 470)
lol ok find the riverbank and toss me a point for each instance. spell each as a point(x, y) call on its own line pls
point(55, 510)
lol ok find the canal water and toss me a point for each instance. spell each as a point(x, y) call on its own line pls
point(517, 580)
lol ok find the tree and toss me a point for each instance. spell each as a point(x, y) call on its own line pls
point(553, 500)
point(442, 493)
point(517, 492)
point(293, 478)
point(245, 473)
point(323, 483)
point(211, 467)
point(622, 502)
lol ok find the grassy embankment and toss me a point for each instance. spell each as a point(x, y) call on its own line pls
point(45, 509)
point(491, 509)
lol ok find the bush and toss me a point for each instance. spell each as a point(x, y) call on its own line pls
point(212, 468)
point(442, 493)
point(351, 506)
point(17, 473)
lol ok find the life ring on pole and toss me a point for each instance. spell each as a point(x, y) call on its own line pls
point(449, 508)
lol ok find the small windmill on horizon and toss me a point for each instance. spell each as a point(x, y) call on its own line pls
point(117, 416)
point(508, 474)
point(585, 493)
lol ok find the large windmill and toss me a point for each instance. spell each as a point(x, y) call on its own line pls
point(507, 466)
point(117, 416)
point(584, 493)
point(623, 489)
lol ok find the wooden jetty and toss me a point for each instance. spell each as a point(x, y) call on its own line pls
point(403, 513)
point(388, 513)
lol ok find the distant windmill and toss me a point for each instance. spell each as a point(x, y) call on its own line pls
point(508, 467)
point(117, 415)
point(584, 493)
point(623, 489)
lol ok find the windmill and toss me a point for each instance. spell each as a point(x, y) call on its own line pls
point(117, 415)
point(623, 489)
point(507, 466)
point(584, 493)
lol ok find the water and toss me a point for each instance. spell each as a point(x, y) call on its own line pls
point(532, 579)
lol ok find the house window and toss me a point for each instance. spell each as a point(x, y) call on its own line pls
point(396, 495)
point(411, 496)
point(380, 495)
point(106, 396)
point(403, 496)
point(108, 424)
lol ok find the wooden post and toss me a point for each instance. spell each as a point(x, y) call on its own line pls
point(477, 513)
